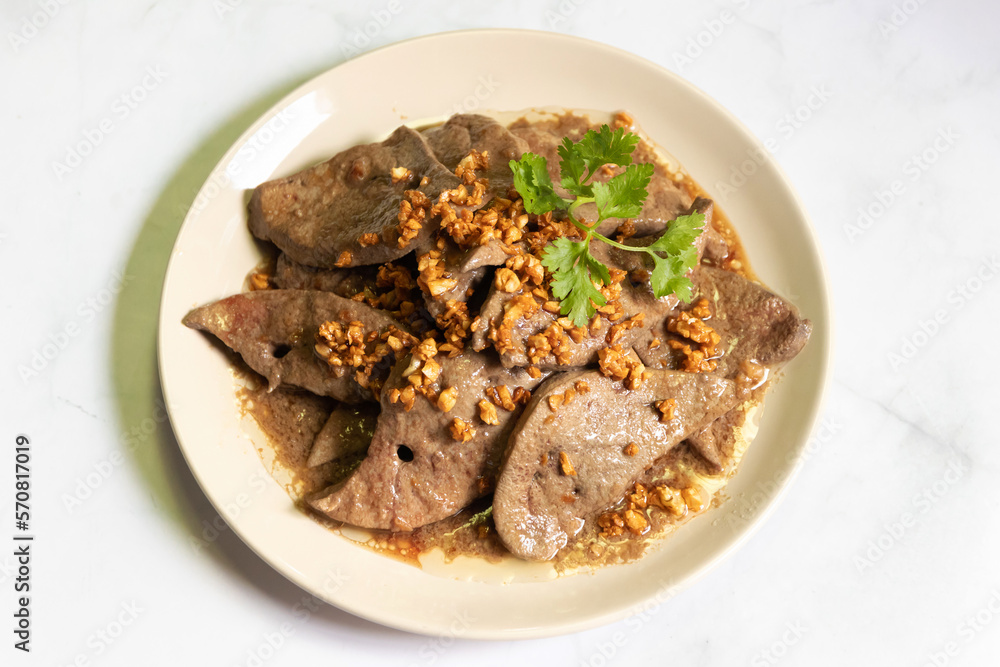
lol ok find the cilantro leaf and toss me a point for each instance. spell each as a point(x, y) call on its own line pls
point(623, 195)
point(572, 168)
point(576, 274)
point(600, 147)
point(531, 178)
point(680, 234)
point(669, 277)
point(574, 271)
point(669, 274)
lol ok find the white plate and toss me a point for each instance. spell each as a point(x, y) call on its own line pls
point(432, 77)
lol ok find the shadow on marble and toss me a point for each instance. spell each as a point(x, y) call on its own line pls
point(146, 434)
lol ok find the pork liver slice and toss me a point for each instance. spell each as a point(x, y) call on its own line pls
point(289, 274)
point(451, 142)
point(348, 430)
point(320, 212)
point(275, 333)
point(464, 132)
point(443, 475)
point(753, 323)
point(537, 507)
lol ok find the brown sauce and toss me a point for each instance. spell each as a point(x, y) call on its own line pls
point(291, 419)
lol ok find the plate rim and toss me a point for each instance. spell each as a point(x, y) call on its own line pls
point(824, 355)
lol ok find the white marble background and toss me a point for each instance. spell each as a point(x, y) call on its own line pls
point(885, 551)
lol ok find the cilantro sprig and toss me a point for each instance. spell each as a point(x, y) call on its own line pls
point(576, 274)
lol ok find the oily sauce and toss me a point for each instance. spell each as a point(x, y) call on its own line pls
point(291, 419)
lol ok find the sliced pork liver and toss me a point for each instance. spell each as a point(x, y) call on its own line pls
point(347, 431)
point(317, 214)
point(275, 333)
point(415, 472)
point(754, 324)
point(451, 142)
point(716, 247)
point(289, 274)
point(537, 507)
point(466, 267)
point(464, 132)
point(716, 443)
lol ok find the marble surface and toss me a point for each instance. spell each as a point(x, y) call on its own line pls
point(882, 113)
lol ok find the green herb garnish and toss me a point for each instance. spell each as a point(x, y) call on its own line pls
point(576, 274)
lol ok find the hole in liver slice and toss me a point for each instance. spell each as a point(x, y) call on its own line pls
point(404, 453)
point(281, 350)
